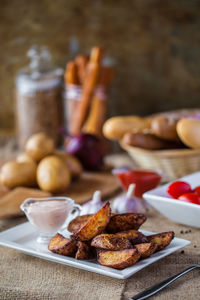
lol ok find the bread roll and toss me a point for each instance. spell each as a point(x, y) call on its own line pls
point(189, 132)
point(115, 128)
point(165, 128)
point(148, 141)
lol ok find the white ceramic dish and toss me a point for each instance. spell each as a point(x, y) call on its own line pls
point(23, 238)
point(175, 210)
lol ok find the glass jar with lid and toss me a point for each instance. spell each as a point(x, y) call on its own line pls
point(39, 103)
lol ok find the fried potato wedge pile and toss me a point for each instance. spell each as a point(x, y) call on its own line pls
point(112, 239)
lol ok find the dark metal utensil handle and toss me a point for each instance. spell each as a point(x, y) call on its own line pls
point(159, 286)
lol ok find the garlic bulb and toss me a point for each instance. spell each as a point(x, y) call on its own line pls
point(127, 203)
point(92, 206)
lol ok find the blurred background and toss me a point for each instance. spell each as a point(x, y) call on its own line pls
point(154, 46)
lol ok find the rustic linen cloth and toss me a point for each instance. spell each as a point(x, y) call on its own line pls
point(25, 277)
point(186, 287)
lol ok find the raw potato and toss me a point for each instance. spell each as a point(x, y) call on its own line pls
point(189, 132)
point(161, 239)
point(118, 259)
point(52, 175)
point(78, 222)
point(15, 174)
point(114, 128)
point(148, 141)
point(146, 249)
point(111, 242)
point(122, 222)
point(84, 251)
point(72, 162)
point(24, 157)
point(39, 145)
point(95, 225)
point(165, 128)
point(61, 245)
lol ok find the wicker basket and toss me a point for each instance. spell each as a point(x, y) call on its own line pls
point(172, 163)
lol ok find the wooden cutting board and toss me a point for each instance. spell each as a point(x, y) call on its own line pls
point(80, 191)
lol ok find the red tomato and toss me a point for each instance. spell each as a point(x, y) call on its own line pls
point(144, 180)
point(197, 190)
point(178, 188)
point(190, 197)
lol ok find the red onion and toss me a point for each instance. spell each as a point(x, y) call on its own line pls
point(88, 149)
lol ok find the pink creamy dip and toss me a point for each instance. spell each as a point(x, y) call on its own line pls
point(48, 216)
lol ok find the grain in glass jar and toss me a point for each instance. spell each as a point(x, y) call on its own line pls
point(39, 103)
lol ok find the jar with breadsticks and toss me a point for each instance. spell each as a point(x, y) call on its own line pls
point(167, 141)
point(87, 84)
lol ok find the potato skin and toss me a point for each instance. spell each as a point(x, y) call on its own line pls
point(72, 162)
point(84, 251)
point(52, 175)
point(111, 242)
point(61, 245)
point(122, 222)
point(78, 222)
point(165, 128)
point(162, 239)
point(24, 157)
point(133, 235)
point(118, 259)
point(146, 249)
point(14, 174)
point(95, 225)
point(39, 145)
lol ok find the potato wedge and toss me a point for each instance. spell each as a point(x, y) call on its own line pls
point(161, 239)
point(78, 222)
point(122, 222)
point(61, 245)
point(118, 259)
point(146, 249)
point(95, 225)
point(84, 251)
point(111, 242)
point(133, 235)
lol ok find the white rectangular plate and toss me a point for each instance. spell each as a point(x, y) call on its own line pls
point(23, 238)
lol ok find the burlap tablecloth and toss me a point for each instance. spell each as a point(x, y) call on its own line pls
point(25, 277)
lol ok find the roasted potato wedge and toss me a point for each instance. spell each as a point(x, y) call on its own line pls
point(146, 249)
point(118, 259)
point(111, 242)
point(133, 235)
point(122, 222)
point(78, 222)
point(95, 225)
point(84, 251)
point(61, 245)
point(161, 239)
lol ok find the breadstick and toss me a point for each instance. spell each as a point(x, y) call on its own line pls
point(81, 63)
point(89, 84)
point(72, 92)
point(98, 110)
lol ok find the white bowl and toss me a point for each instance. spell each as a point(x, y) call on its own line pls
point(176, 210)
